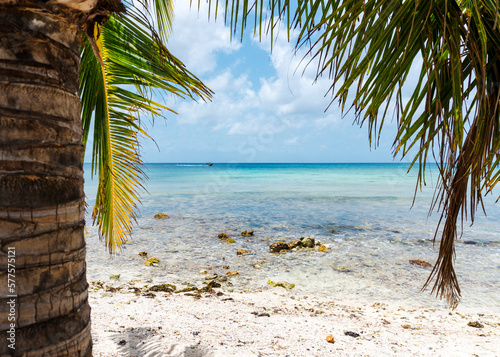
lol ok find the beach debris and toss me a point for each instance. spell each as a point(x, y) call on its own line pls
point(256, 266)
point(385, 322)
point(161, 215)
point(211, 277)
point(421, 263)
point(203, 271)
point(469, 242)
point(246, 233)
point(168, 288)
point(115, 276)
point(148, 295)
point(260, 314)
point(143, 254)
point(351, 333)
point(330, 339)
point(152, 262)
point(278, 247)
point(281, 284)
point(475, 324)
point(225, 267)
point(185, 290)
point(242, 252)
point(223, 235)
point(322, 248)
point(232, 273)
point(406, 327)
point(122, 343)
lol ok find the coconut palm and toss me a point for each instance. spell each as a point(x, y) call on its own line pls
point(123, 64)
point(368, 47)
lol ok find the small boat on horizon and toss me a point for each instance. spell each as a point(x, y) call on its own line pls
point(209, 164)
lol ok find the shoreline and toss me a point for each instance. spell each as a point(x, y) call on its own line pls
point(127, 320)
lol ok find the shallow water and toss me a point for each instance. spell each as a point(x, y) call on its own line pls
point(367, 204)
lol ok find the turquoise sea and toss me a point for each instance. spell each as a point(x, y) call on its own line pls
point(378, 231)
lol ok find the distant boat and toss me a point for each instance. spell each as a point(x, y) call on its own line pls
point(208, 164)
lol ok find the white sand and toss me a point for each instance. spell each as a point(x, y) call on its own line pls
point(277, 322)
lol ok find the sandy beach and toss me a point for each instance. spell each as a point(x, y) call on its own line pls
point(127, 320)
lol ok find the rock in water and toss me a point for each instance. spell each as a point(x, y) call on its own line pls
point(161, 215)
point(421, 263)
point(281, 284)
point(322, 248)
point(223, 235)
point(278, 247)
point(143, 254)
point(296, 243)
point(242, 252)
point(308, 242)
point(152, 262)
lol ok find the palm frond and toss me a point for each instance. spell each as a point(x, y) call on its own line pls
point(368, 47)
point(119, 81)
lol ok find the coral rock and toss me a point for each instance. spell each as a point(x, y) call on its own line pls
point(278, 247)
point(296, 243)
point(152, 262)
point(161, 215)
point(242, 252)
point(308, 242)
point(322, 248)
point(281, 284)
point(421, 263)
point(223, 235)
point(168, 288)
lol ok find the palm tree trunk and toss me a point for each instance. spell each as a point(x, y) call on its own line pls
point(41, 184)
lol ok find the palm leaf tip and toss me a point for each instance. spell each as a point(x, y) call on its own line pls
point(127, 57)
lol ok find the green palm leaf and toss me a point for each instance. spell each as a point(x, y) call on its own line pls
point(121, 72)
point(368, 47)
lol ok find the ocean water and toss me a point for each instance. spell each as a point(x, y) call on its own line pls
point(370, 206)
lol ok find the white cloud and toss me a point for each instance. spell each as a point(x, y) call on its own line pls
point(196, 41)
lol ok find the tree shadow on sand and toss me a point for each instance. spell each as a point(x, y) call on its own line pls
point(147, 342)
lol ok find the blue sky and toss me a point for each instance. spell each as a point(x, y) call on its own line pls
point(265, 107)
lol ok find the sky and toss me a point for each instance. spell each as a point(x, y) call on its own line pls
point(266, 107)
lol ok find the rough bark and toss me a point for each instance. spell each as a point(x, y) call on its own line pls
point(41, 181)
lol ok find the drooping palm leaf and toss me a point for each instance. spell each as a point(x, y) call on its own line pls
point(120, 75)
point(368, 47)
